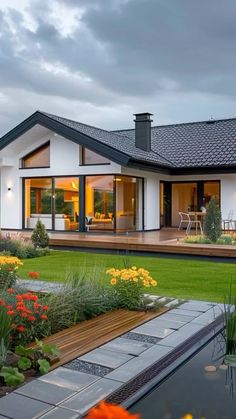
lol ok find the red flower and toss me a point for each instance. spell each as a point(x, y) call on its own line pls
point(10, 312)
point(31, 318)
point(45, 308)
point(24, 315)
point(44, 317)
point(10, 291)
point(20, 328)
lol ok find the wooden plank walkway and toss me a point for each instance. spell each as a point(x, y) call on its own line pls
point(83, 337)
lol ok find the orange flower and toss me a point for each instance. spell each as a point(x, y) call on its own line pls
point(31, 318)
point(113, 281)
point(110, 411)
point(44, 317)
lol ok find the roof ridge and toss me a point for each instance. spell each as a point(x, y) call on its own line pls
point(207, 121)
point(81, 123)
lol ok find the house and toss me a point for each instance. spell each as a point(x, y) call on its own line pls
point(76, 177)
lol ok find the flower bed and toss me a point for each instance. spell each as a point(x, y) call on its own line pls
point(26, 317)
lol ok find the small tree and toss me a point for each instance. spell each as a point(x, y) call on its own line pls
point(212, 224)
point(40, 236)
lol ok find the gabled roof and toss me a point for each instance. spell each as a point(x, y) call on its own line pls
point(196, 144)
point(178, 148)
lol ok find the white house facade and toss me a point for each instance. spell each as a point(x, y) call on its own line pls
point(74, 177)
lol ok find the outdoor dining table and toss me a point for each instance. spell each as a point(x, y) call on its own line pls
point(198, 216)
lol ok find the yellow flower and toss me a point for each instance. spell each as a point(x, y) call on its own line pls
point(134, 268)
point(113, 281)
point(187, 416)
point(154, 283)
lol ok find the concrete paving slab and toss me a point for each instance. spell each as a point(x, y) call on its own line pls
point(16, 406)
point(137, 365)
point(107, 358)
point(178, 317)
point(181, 335)
point(127, 346)
point(196, 306)
point(185, 312)
point(90, 396)
point(59, 413)
point(45, 392)
point(156, 331)
point(65, 377)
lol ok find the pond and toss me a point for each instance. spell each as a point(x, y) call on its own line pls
point(191, 389)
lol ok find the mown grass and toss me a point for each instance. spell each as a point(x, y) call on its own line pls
point(185, 278)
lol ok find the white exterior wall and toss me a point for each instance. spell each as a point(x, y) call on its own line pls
point(64, 156)
point(64, 160)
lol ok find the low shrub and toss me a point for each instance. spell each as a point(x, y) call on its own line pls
point(129, 285)
point(21, 248)
point(197, 239)
point(8, 271)
point(225, 239)
point(40, 236)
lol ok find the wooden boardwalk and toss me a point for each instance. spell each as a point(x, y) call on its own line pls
point(83, 337)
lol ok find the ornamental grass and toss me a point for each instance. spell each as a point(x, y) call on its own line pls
point(129, 285)
point(8, 270)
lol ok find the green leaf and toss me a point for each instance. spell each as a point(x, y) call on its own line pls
point(230, 360)
point(51, 350)
point(12, 376)
point(24, 363)
point(44, 366)
point(25, 352)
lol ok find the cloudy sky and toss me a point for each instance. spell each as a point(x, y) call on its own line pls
point(100, 61)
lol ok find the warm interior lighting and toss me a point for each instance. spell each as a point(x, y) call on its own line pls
point(73, 184)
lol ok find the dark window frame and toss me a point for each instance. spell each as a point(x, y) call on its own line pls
point(35, 151)
point(91, 164)
point(82, 180)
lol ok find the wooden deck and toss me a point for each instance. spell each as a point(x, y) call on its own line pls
point(81, 338)
point(168, 240)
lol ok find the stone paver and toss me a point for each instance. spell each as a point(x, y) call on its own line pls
point(73, 380)
point(159, 332)
point(185, 312)
point(107, 358)
point(60, 413)
point(209, 316)
point(127, 346)
point(179, 317)
point(181, 335)
point(15, 406)
point(196, 306)
point(45, 392)
point(135, 366)
point(90, 396)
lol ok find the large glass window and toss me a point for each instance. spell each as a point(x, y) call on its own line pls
point(38, 202)
point(66, 203)
point(128, 203)
point(89, 157)
point(37, 158)
point(184, 199)
point(99, 202)
point(211, 190)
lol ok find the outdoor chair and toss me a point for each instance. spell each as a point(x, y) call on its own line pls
point(194, 222)
point(184, 220)
point(229, 223)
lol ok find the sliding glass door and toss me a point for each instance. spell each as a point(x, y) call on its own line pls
point(84, 203)
point(38, 202)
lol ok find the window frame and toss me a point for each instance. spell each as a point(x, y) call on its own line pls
point(42, 146)
point(83, 148)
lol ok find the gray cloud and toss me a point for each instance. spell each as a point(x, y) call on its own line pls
point(122, 55)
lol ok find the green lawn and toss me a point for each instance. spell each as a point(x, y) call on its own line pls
point(176, 277)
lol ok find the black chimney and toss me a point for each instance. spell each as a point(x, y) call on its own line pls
point(143, 130)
